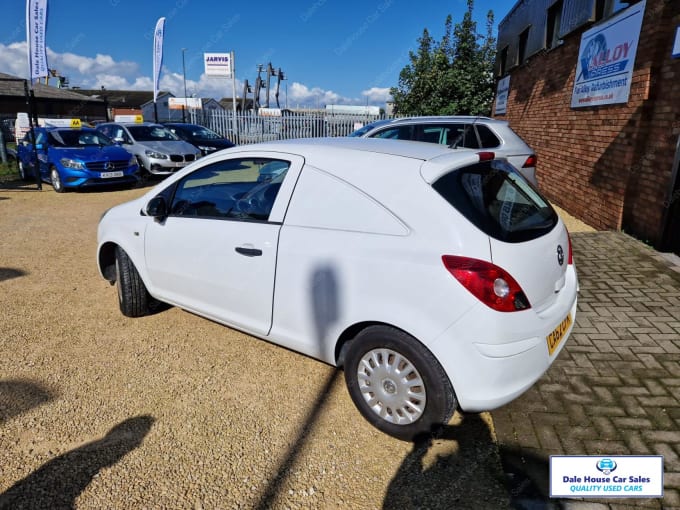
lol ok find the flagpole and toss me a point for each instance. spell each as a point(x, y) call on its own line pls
point(233, 94)
point(157, 61)
point(36, 22)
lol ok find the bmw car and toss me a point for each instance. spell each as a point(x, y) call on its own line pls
point(437, 279)
point(158, 150)
point(200, 137)
point(75, 158)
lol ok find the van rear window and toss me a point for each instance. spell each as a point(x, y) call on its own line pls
point(498, 201)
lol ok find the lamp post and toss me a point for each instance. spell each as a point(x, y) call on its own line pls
point(184, 74)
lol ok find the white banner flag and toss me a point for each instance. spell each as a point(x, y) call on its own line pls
point(36, 23)
point(157, 54)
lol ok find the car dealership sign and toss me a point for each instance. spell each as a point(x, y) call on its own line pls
point(604, 71)
point(590, 476)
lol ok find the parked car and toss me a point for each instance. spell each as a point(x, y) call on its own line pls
point(459, 131)
point(7, 128)
point(75, 158)
point(438, 279)
point(200, 137)
point(158, 151)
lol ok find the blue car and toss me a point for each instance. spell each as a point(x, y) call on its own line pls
point(73, 158)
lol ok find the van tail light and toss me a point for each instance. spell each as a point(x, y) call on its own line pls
point(530, 162)
point(492, 285)
point(570, 259)
point(486, 156)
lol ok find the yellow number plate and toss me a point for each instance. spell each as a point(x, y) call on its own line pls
point(557, 334)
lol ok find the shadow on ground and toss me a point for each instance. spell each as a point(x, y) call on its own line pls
point(7, 273)
point(18, 396)
point(58, 483)
point(458, 468)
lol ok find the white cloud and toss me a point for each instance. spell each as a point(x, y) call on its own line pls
point(68, 63)
point(13, 59)
point(304, 96)
point(377, 95)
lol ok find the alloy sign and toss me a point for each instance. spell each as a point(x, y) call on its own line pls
point(604, 71)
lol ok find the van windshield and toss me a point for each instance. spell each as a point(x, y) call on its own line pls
point(498, 201)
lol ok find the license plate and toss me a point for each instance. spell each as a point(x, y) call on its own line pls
point(557, 334)
point(104, 175)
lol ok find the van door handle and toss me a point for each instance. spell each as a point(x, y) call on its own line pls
point(248, 252)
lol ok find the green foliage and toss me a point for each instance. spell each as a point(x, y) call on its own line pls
point(452, 77)
point(8, 170)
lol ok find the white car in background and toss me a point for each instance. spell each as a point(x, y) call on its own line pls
point(482, 133)
point(438, 279)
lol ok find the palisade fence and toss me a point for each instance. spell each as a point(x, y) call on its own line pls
point(252, 128)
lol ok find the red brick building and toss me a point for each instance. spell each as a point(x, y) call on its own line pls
point(615, 166)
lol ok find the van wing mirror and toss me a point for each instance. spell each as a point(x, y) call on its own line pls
point(157, 208)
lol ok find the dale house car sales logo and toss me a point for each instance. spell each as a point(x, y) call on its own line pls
point(609, 477)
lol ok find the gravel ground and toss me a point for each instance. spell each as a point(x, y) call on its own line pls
point(174, 411)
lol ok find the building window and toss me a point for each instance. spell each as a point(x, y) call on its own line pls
point(606, 8)
point(503, 59)
point(618, 5)
point(552, 34)
point(522, 47)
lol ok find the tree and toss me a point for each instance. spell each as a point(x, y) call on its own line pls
point(452, 77)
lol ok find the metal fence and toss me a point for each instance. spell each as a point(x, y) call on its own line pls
point(252, 128)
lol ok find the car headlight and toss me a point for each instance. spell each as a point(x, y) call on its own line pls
point(72, 163)
point(133, 161)
point(205, 148)
point(155, 155)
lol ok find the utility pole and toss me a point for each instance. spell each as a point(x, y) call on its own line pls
point(258, 87)
point(270, 73)
point(279, 77)
point(184, 74)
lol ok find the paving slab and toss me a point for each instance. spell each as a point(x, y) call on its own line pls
point(614, 389)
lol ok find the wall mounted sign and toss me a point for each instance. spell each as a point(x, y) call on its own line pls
point(502, 95)
point(604, 71)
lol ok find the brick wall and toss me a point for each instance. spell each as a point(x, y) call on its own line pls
point(608, 165)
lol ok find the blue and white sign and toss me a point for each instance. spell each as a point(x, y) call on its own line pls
point(604, 71)
point(36, 24)
point(157, 54)
point(676, 44)
point(218, 64)
point(502, 95)
point(623, 476)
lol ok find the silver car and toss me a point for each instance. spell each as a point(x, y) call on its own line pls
point(158, 150)
point(459, 131)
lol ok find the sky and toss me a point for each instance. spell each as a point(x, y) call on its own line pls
point(330, 51)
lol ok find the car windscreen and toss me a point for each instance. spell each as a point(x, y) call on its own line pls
point(365, 129)
point(498, 200)
point(77, 138)
point(204, 133)
point(151, 133)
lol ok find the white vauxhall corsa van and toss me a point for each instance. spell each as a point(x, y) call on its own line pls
point(437, 279)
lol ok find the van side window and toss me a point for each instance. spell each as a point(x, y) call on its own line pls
point(244, 189)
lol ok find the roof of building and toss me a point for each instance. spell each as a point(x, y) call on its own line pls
point(122, 98)
point(14, 86)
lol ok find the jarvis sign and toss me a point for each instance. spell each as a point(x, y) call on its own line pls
point(606, 59)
